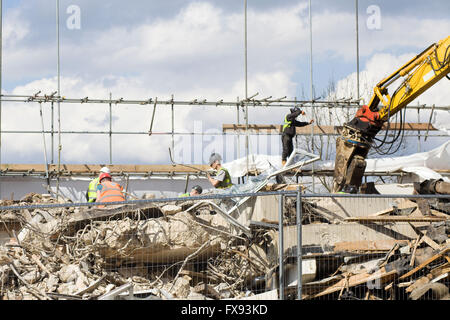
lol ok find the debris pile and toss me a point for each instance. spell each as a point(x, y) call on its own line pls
point(413, 262)
point(190, 250)
point(66, 253)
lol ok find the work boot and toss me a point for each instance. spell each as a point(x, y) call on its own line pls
point(283, 162)
point(279, 178)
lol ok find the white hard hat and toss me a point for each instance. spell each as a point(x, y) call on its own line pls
point(214, 157)
point(105, 170)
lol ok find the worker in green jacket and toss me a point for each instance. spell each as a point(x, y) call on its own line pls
point(91, 193)
point(222, 179)
point(289, 132)
point(195, 191)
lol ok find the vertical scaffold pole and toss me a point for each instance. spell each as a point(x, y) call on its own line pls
point(59, 98)
point(53, 131)
point(173, 126)
point(238, 151)
point(357, 50)
point(281, 247)
point(299, 244)
point(1, 76)
point(246, 87)
point(312, 91)
point(110, 128)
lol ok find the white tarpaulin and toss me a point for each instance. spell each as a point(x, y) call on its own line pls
point(422, 164)
point(262, 163)
point(265, 164)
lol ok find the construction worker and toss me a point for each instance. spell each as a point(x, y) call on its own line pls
point(290, 123)
point(222, 179)
point(91, 193)
point(195, 191)
point(349, 189)
point(108, 191)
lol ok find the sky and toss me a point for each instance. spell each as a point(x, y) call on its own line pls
point(195, 49)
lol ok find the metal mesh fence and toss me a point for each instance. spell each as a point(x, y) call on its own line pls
point(367, 248)
point(354, 247)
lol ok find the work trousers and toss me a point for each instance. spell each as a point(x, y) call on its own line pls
point(288, 146)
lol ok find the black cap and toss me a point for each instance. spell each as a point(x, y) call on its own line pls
point(295, 109)
point(198, 189)
point(350, 189)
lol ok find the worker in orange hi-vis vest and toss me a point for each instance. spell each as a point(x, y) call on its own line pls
point(108, 191)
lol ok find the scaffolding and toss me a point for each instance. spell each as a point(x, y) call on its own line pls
point(242, 105)
point(423, 129)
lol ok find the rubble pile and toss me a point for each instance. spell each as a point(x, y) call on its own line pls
point(67, 253)
point(407, 257)
point(188, 250)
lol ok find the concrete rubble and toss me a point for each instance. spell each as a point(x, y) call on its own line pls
point(393, 249)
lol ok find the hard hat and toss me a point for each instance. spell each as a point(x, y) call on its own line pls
point(350, 189)
point(214, 157)
point(104, 175)
point(198, 189)
point(295, 109)
point(105, 170)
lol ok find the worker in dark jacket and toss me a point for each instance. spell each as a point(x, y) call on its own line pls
point(289, 131)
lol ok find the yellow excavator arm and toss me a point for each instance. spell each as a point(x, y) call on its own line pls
point(420, 73)
point(415, 77)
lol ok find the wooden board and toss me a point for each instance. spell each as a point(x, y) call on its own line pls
point(321, 130)
point(425, 263)
point(95, 169)
point(395, 219)
point(382, 275)
point(366, 245)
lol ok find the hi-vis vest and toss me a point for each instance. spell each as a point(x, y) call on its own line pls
point(92, 190)
point(184, 195)
point(287, 123)
point(226, 183)
point(111, 192)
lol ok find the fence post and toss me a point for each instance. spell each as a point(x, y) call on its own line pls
point(299, 244)
point(281, 247)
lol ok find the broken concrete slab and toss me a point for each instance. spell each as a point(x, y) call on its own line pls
point(309, 272)
point(353, 207)
point(155, 240)
point(170, 209)
point(327, 236)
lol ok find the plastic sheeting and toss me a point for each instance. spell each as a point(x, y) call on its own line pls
point(268, 164)
point(422, 164)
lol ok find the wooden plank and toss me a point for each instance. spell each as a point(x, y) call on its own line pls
point(382, 275)
point(436, 272)
point(405, 207)
point(327, 130)
point(413, 256)
point(395, 219)
point(366, 245)
point(23, 167)
point(272, 128)
point(425, 263)
point(95, 169)
point(431, 243)
point(418, 283)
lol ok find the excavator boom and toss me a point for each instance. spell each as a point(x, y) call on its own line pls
point(411, 80)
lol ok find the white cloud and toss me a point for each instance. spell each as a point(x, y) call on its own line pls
point(15, 27)
point(378, 68)
point(197, 53)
